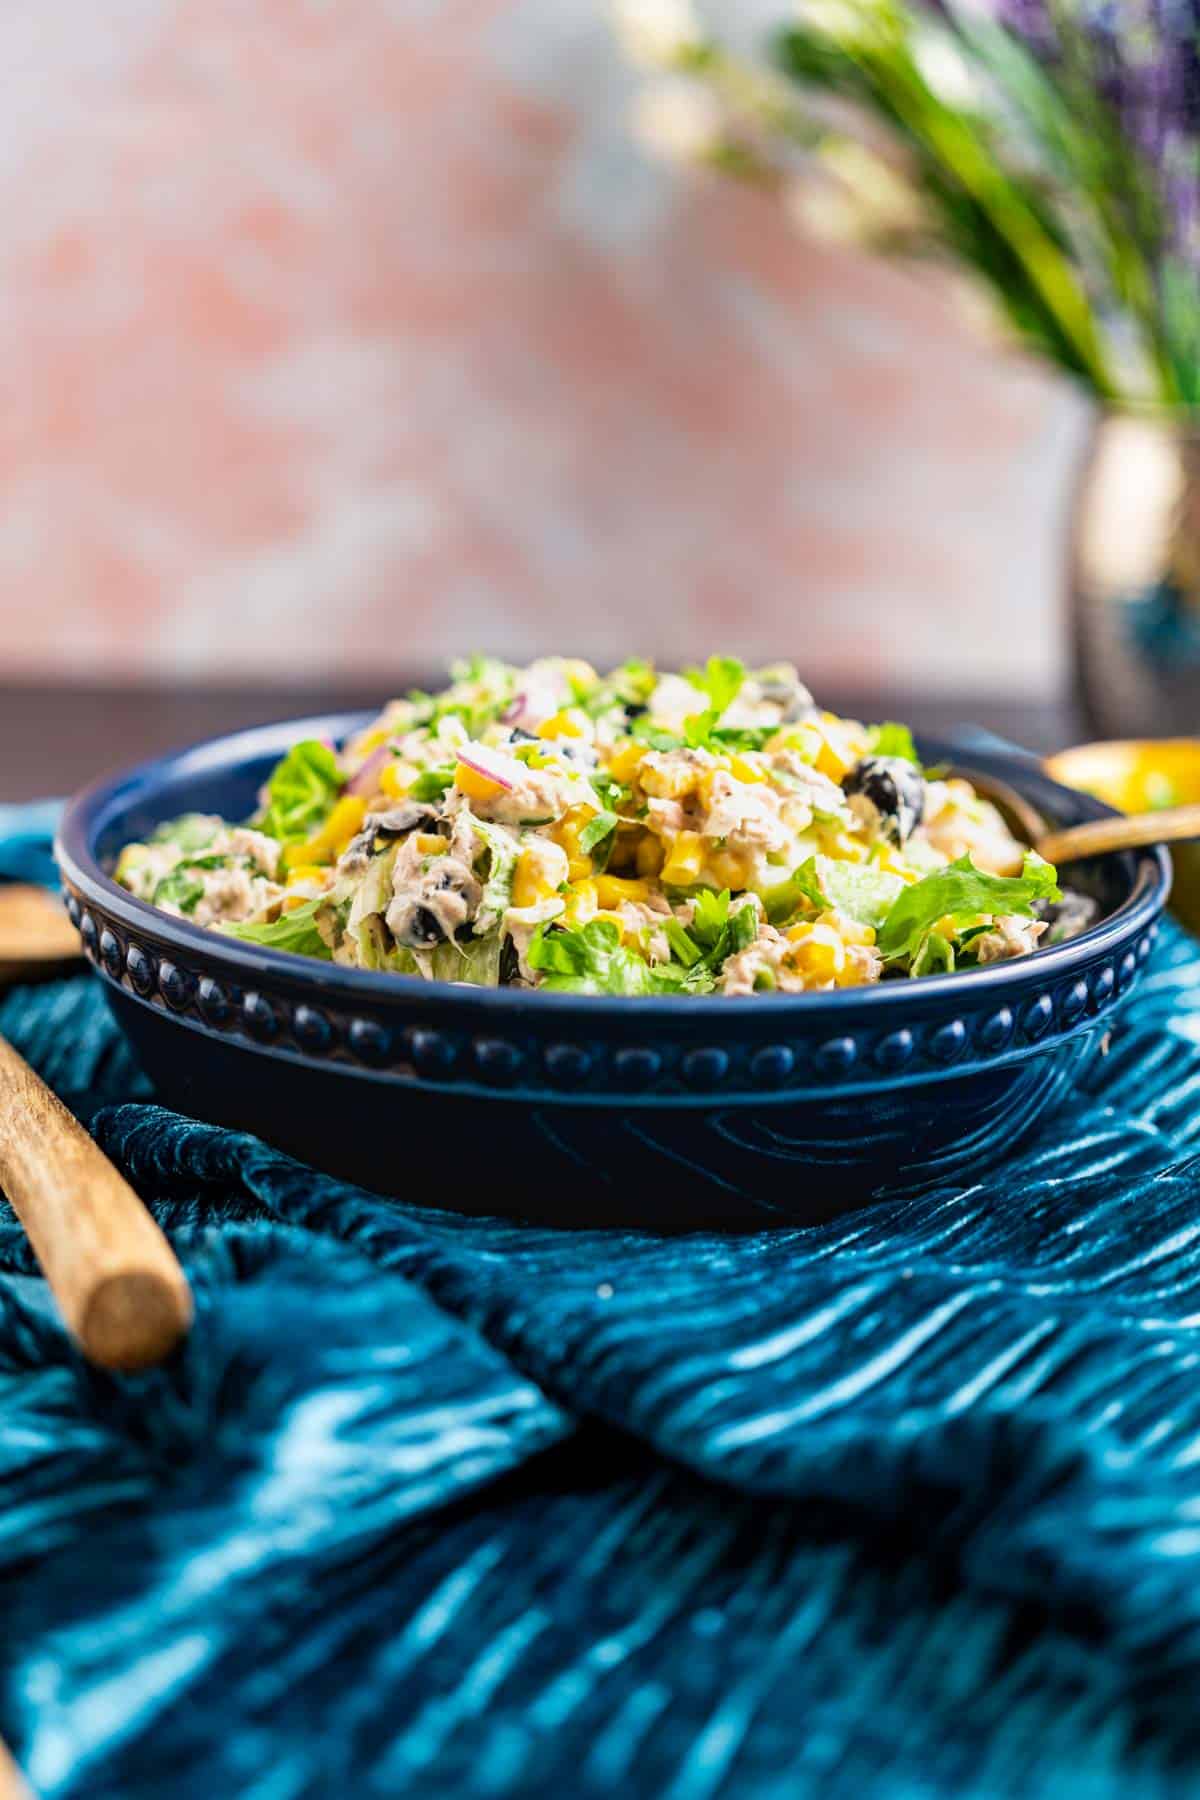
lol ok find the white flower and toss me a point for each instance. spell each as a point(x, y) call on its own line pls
point(657, 33)
point(856, 197)
point(842, 20)
point(946, 70)
point(679, 119)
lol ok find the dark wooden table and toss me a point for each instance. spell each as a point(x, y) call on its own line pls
point(55, 738)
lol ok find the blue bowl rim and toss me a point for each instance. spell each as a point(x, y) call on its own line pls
point(90, 808)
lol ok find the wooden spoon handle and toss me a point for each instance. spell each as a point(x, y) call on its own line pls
point(122, 1294)
point(1131, 831)
point(12, 1782)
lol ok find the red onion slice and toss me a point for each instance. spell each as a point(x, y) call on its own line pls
point(366, 781)
point(491, 764)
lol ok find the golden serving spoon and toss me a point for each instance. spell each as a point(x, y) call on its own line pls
point(1095, 837)
point(12, 1782)
point(120, 1290)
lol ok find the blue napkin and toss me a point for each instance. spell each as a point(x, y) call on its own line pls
point(908, 1505)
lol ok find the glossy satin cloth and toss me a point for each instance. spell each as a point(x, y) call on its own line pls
point(905, 1506)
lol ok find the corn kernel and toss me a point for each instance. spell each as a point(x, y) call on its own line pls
point(888, 859)
point(430, 844)
point(581, 906)
point(395, 779)
point(649, 855)
point(475, 786)
point(745, 770)
point(685, 859)
point(570, 722)
point(817, 951)
point(843, 743)
point(341, 825)
point(623, 764)
point(849, 930)
point(304, 872)
point(844, 846)
point(729, 870)
point(540, 873)
point(672, 783)
point(612, 889)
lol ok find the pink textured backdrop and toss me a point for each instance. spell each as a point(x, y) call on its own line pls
point(333, 336)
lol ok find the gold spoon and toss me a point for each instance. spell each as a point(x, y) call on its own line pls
point(12, 1782)
point(120, 1290)
point(1095, 837)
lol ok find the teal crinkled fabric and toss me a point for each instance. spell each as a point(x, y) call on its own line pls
point(905, 1506)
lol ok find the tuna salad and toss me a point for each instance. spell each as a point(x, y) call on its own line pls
point(638, 832)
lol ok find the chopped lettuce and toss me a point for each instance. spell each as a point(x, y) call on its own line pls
point(183, 886)
point(191, 831)
point(431, 784)
point(721, 680)
point(719, 929)
point(365, 922)
point(935, 956)
point(473, 960)
point(890, 739)
point(296, 931)
point(861, 891)
point(501, 856)
point(961, 892)
point(596, 831)
point(301, 792)
point(592, 960)
point(630, 685)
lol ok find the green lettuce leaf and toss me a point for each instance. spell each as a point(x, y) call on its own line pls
point(502, 854)
point(596, 830)
point(592, 960)
point(301, 792)
point(861, 891)
point(474, 960)
point(963, 892)
point(431, 784)
point(935, 956)
point(183, 886)
point(192, 831)
point(890, 739)
point(295, 931)
point(718, 930)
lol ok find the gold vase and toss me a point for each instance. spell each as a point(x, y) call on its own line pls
point(1135, 578)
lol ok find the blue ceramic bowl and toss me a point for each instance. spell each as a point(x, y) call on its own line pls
point(660, 1111)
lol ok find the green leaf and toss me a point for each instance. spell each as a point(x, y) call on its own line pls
point(192, 831)
point(654, 736)
point(683, 948)
point(629, 685)
point(890, 739)
point(431, 784)
point(710, 916)
point(301, 792)
point(596, 830)
point(861, 891)
point(935, 956)
point(295, 931)
point(473, 960)
point(496, 898)
point(721, 679)
point(802, 888)
point(183, 886)
point(962, 892)
point(591, 960)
